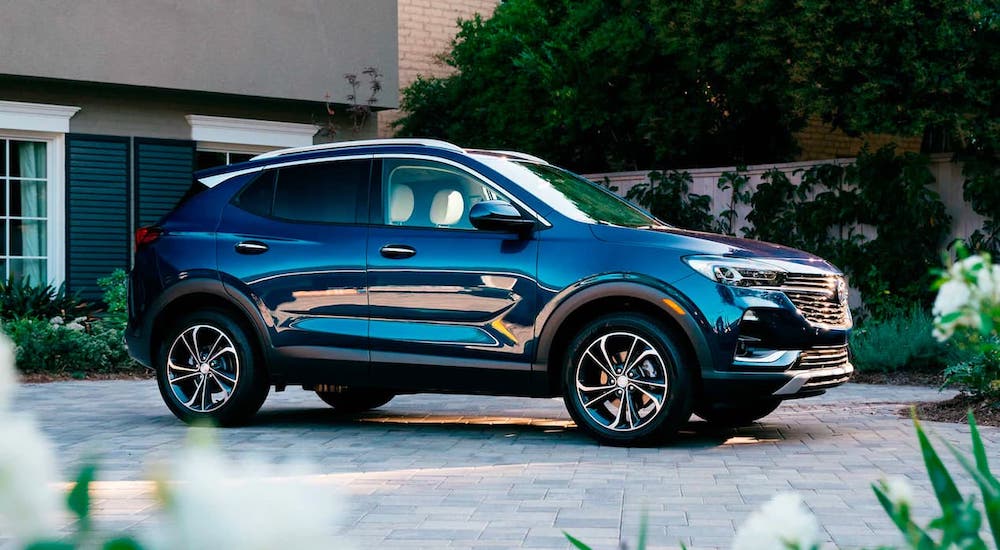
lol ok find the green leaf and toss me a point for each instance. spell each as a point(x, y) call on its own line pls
point(575, 542)
point(78, 500)
point(50, 545)
point(944, 486)
point(643, 524)
point(124, 543)
point(917, 537)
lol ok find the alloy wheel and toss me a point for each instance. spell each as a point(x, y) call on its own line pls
point(621, 381)
point(203, 368)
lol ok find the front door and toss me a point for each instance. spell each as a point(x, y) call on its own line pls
point(452, 307)
point(293, 242)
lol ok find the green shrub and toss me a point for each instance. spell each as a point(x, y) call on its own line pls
point(59, 344)
point(21, 299)
point(667, 196)
point(979, 371)
point(903, 341)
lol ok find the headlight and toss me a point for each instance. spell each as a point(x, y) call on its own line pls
point(736, 271)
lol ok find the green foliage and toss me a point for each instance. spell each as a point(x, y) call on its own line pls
point(960, 520)
point(616, 84)
point(19, 298)
point(979, 372)
point(44, 346)
point(887, 192)
point(667, 196)
point(736, 183)
point(982, 172)
point(116, 297)
point(903, 341)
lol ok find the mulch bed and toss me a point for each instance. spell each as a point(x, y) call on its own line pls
point(956, 410)
point(42, 377)
point(952, 410)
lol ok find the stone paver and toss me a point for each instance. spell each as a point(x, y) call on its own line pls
point(443, 471)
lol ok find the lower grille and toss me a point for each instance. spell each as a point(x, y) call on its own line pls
point(822, 357)
point(821, 299)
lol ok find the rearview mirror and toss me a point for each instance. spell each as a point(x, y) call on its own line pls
point(498, 216)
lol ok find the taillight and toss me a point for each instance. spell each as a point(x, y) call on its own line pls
point(146, 236)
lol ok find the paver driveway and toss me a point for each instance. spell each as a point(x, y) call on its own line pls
point(433, 471)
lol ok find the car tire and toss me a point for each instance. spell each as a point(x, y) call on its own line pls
point(208, 372)
point(736, 415)
point(355, 400)
point(627, 381)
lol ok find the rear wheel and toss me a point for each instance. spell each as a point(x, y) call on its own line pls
point(735, 415)
point(207, 371)
point(355, 400)
point(627, 381)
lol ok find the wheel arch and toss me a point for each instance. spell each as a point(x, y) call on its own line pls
point(587, 302)
point(193, 295)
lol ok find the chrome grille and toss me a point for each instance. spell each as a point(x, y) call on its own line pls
point(817, 298)
point(822, 358)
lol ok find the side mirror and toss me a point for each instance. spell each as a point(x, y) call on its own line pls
point(498, 216)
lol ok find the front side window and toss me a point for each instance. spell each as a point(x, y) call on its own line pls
point(25, 180)
point(420, 193)
point(332, 192)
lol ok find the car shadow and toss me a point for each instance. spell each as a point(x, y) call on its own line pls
point(526, 430)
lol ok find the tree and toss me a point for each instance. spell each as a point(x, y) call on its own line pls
point(615, 84)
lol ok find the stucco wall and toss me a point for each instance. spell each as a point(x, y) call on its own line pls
point(292, 49)
point(426, 28)
point(145, 112)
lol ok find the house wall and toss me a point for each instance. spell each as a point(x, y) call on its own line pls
point(149, 112)
point(293, 49)
point(426, 29)
point(819, 141)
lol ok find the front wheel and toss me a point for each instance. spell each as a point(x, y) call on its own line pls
point(207, 371)
point(736, 415)
point(627, 381)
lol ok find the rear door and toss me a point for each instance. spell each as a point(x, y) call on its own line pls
point(293, 242)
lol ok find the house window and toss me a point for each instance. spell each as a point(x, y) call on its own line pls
point(210, 159)
point(25, 179)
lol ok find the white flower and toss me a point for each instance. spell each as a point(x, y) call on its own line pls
point(954, 296)
point(898, 490)
point(8, 374)
point(29, 508)
point(781, 523)
point(57, 320)
point(212, 503)
point(74, 326)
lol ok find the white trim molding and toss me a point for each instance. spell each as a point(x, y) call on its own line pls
point(36, 117)
point(244, 131)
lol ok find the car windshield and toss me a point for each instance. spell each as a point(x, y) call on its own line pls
point(572, 195)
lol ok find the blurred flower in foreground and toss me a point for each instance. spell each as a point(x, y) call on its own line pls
point(968, 297)
point(213, 503)
point(29, 507)
point(783, 523)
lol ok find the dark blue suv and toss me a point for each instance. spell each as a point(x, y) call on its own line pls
point(362, 270)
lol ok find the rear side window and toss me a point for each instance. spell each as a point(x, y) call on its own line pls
point(334, 192)
point(256, 198)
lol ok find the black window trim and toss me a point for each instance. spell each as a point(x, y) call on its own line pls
point(362, 211)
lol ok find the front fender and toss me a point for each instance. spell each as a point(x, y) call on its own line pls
point(563, 304)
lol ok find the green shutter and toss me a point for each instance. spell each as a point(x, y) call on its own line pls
point(162, 176)
point(97, 210)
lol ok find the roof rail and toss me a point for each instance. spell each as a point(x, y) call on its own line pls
point(361, 143)
point(511, 154)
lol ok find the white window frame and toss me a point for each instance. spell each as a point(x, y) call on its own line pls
point(49, 124)
point(238, 135)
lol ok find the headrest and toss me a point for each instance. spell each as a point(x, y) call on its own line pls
point(400, 203)
point(447, 208)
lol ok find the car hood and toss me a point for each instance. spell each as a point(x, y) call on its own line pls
point(687, 242)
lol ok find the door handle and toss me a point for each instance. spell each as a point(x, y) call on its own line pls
point(397, 251)
point(251, 247)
